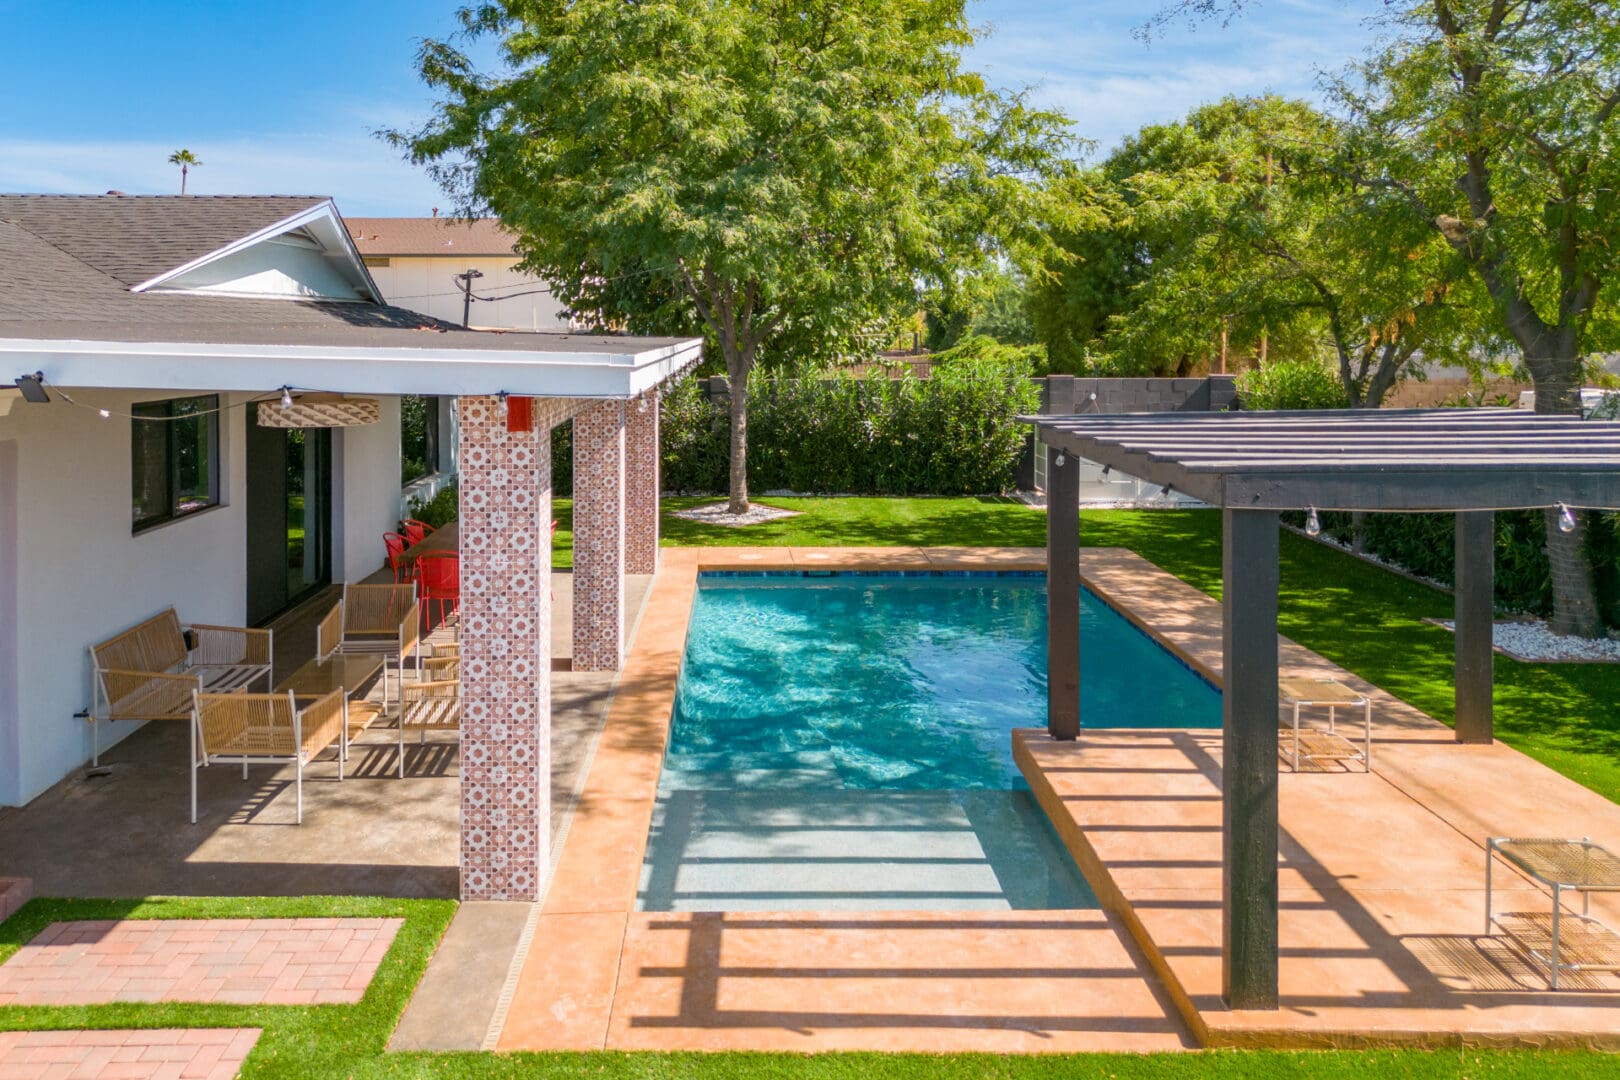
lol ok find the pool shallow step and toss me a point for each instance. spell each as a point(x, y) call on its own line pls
point(854, 850)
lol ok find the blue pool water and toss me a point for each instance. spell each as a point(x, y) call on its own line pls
point(844, 742)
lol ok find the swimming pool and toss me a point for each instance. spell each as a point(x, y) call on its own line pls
point(843, 741)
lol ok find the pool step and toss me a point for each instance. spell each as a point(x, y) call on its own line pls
point(774, 850)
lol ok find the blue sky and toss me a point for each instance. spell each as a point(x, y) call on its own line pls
point(283, 97)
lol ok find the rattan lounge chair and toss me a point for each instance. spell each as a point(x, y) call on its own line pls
point(378, 619)
point(264, 729)
point(433, 703)
point(150, 671)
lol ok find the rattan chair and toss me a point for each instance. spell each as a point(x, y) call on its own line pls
point(150, 671)
point(376, 619)
point(264, 729)
point(434, 702)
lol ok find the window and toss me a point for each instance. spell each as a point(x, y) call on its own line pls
point(418, 437)
point(174, 455)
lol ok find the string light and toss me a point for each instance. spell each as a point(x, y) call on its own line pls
point(1566, 518)
point(1060, 460)
point(502, 397)
point(106, 414)
point(1313, 523)
point(286, 398)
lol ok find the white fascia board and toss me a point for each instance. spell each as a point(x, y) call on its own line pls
point(321, 214)
point(339, 369)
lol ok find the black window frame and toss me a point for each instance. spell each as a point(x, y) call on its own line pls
point(164, 418)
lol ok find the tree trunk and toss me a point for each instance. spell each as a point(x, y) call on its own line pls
point(1575, 609)
point(739, 372)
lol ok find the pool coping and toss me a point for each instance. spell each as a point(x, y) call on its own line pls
point(567, 997)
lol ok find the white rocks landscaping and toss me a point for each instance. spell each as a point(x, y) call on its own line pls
point(1533, 641)
point(716, 514)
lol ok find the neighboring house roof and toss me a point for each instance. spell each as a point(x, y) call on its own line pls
point(383, 236)
point(134, 238)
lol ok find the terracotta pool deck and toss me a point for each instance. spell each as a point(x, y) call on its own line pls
point(601, 974)
point(1382, 874)
point(1381, 940)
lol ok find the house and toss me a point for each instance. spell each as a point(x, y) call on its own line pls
point(143, 340)
point(419, 264)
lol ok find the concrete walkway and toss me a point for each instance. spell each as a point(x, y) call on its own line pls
point(1382, 919)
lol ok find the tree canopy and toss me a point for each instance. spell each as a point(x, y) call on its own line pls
point(782, 176)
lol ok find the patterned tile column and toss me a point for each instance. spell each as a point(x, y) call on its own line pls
point(642, 467)
point(599, 536)
point(505, 484)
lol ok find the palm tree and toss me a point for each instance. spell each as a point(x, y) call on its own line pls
point(185, 159)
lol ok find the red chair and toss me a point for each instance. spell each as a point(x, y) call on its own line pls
point(415, 530)
point(396, 545)
point(438, 580)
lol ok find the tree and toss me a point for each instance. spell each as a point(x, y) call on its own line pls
point(1496, 121)
point(187, 161)
point(781, 175)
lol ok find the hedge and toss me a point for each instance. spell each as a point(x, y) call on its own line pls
point(953, 434)
point(1424, 544)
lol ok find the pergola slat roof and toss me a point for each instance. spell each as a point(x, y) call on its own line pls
point(1418, 459)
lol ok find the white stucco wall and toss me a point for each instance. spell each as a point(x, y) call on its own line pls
point(76, 575)
point(427, 284)
point(365, 493)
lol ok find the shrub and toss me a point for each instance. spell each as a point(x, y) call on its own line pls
point(439, 510)
point(1291, 384)
point(953, 434)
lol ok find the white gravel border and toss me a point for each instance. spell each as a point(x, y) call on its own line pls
point(716, 514)
point(1533, 642)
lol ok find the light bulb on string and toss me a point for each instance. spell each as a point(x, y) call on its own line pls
point(286, 397)
point(1313, 524)
point(502, 397)
point(1566, 518)
point(1059, 462)
point(106, 414)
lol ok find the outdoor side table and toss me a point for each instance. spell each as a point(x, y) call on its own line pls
point(1305, 692)
point(345, 671)
point(1575, 865)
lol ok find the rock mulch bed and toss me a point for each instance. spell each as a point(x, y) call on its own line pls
point(1533, 642)
point(715, 514)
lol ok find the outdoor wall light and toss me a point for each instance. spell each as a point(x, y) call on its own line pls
point(1566, 519)
point(33, 388)
point(1313, 524)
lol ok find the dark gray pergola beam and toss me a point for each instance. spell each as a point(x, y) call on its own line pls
point(1392, 490)
point(1205, 488)
point(1474, 596)
point(1249, 576)
point(1062, 594)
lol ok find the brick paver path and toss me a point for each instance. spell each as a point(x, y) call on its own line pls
point(234, 961)
point(157, 1054)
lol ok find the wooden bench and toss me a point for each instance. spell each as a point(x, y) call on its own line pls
point(381, 620)
point(261, 729)
point(150, 671)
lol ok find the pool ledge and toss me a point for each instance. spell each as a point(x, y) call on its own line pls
point(1380, 940)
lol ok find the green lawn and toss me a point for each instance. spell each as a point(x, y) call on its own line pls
point(348, 1040)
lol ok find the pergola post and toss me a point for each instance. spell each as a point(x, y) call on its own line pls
point(1475, 599)
point(1062, 594)
point(599, 482)
point(1249, 574)
point(641, 477)
point(505, 610)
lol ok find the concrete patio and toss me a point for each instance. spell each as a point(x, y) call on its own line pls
point(121, 831)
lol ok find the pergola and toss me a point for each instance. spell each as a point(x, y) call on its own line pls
point(1468, 462)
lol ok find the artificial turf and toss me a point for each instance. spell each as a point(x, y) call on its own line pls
point(349, 1040)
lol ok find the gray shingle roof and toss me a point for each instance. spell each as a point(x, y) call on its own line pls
point(67, 263)
point(134, 238)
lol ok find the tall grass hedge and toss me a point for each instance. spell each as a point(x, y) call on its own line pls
point(955, 433)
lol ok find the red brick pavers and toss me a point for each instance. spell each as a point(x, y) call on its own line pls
point(226, 961)
point(154, 1054)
